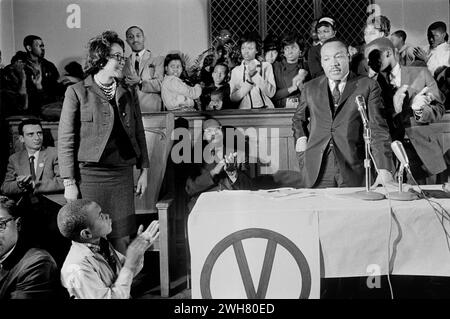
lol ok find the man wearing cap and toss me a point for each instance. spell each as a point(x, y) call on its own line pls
point(333, 153)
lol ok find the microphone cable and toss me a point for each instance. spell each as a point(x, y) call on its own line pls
point(391, 212)
point(440, 212)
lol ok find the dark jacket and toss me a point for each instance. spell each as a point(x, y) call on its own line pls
point(29, 273)
point(283, 80)
point(345, 128)
point(86, 123)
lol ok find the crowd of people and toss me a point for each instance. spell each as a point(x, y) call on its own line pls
point(101, 136)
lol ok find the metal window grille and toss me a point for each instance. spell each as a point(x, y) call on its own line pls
point(280, 16)
point(350, 16)
point(289, 15)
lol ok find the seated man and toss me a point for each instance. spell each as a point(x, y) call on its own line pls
point(33, 170)
point(25, 272)
point(93, 269)
point(222, 171)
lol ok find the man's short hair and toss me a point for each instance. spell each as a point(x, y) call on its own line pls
point(28, 122)
point(382, 43)
point(134, 27)
point(400, 34)
point(438, 25)
point(72, 218)
point(29, 39)
point(335, 39)
point(381, 23)
point(10, 206)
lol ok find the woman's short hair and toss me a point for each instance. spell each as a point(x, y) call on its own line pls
point(99, 49)
point(252, 36)
point(173, 57)
point(291, 38)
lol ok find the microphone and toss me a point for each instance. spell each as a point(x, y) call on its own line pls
point(400, 153)
point(362, 108)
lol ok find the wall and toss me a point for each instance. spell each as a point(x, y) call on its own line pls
point(6, 31)
point(414, 16)
point(168, 24)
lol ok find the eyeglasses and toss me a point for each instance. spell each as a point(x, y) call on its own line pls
point(4, 223)
point(120, 58)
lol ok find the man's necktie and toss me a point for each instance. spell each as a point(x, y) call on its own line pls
point(136, 64)
point(32, 171)
point(336, 93)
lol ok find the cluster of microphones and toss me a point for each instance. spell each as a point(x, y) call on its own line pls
point(400, 153)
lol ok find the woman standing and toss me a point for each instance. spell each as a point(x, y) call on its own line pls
point(290, 73)
point(101, 137)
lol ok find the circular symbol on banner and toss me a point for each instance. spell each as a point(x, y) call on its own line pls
point(273, 239)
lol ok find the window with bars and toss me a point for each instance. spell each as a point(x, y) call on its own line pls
point(279, 16)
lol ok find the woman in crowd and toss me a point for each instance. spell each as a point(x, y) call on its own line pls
point(290, 73)
point(271, 49)
point(252, 83)
point(177, 95)
point(217, 95)
point(101, 137)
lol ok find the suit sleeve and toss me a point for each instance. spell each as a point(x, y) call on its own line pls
point(381, 140)
point(435, 111)
point(51, 185)
point(300, 117)
point(199, 184)
point(154, 85)
point(9, 186)
point(68, 124)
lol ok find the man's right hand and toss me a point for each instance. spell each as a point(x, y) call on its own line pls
point(399, 96)
point(23, 181)
point(71, 193)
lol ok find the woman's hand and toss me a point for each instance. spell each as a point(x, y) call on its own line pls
point(142, 183)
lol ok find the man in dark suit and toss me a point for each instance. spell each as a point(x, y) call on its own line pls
point(25, 273)
point(34, 169)
point(331, 151)
point(413, 102)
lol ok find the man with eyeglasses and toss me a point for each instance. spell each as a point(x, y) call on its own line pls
point(25, 272)
point(333, 153)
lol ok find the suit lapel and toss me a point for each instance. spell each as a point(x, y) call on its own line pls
point(24, 163)
point(322, 98)
point(145, 60)
point(41, 163)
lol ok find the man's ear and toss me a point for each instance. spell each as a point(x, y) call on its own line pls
point(28, 48)
point(85, 234)
point(19, 223)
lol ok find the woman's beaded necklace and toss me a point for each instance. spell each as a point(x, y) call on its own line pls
point(109, 90)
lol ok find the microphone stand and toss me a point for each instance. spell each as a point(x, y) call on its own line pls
point(367, 194)
point(400, 194)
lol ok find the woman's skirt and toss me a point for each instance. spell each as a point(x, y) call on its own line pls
point(113, 189)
